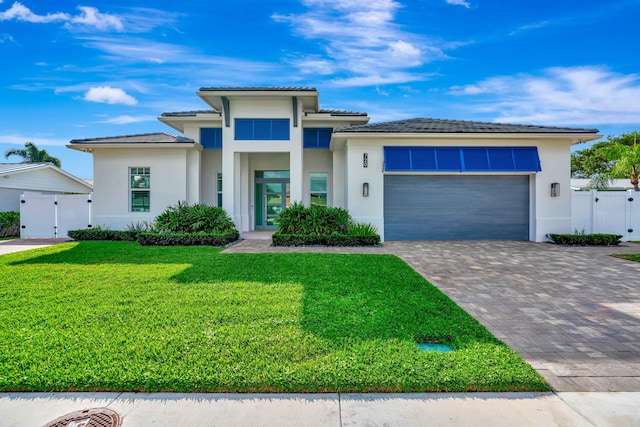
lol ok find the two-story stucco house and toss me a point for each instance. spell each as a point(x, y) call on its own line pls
point(258, 149)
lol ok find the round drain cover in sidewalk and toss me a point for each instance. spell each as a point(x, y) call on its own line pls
point(99, 417)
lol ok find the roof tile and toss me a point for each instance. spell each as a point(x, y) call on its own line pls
point(192, 113)
point(428, 125)
point(142, 138)
point(336, 112)
point(258, 89)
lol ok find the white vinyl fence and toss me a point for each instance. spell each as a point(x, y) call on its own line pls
point(613, 212)
point(53, 215)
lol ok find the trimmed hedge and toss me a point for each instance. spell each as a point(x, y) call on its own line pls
point(585, 239)
point(179, 225)
point(9, 224)
point(149, 239)
point(324, 240)
point(99, 234)
point(154, 239)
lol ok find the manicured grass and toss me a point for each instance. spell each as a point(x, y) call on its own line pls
point(630, 257)
point(8, 238)
point(118, 316)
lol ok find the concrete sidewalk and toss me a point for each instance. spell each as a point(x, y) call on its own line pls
point(19, 245)
point(433, 409)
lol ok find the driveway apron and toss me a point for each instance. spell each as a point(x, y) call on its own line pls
point(19, 245)
point(572, 313)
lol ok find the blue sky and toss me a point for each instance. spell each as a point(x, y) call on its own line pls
point(79, 70)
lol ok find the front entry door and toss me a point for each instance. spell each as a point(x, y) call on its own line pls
point(272, 197)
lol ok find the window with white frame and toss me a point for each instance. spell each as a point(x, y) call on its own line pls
point(219, 188)
point(140, 189)
point(318, 184)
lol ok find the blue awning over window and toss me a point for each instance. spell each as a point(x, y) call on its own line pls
point(461, 159)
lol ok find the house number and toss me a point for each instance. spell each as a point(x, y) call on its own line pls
point(365, 160)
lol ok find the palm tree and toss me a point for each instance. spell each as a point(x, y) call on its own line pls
point(626, 161)
point(32, 154)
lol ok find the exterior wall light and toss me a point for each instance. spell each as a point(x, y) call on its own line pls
point(365, 189)
point(555, 189)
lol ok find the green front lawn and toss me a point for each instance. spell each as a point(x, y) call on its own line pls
point(122, 317)
point(630, 257)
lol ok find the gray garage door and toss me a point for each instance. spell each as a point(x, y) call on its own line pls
point(461, 207)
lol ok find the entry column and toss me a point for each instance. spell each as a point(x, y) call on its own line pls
point(296, 168)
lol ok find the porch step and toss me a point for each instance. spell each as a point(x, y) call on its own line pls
point(257, 235)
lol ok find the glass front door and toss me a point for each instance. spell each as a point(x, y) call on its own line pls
point(272, 197)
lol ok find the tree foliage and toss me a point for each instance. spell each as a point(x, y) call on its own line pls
point(32, 154)
point(618, 157)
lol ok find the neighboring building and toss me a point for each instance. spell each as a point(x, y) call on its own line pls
point(44, 178)
point(261, 148)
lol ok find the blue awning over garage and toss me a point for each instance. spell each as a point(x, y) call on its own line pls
point(461, 159)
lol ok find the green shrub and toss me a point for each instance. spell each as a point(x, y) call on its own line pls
point(581, 239)
point(9, 224)
point(362, 229)
point(199, 218)
point(280, 239)
point(321, 225)
point(298, 219)
point(143, 226)
point(191, 239)
point(104, 234)
point(179, 225)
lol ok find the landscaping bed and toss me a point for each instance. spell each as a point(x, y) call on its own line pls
point(9, 224)
point(178, 225)
point(117, 316)
point(581, 239)
point(299, 225)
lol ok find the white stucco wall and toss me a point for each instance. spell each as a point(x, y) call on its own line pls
point(552, 214)
point(338, 184)
point(371, 208)
point(317, 160)
point(237, 192)
point(169, 176)
point(210, 167)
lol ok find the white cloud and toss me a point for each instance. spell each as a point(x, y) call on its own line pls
point(6, 38)
point(409, 90)
point(528, 27)
point(88, 18)
point(459, 3)
point(123, 120)
point(361, 42)
point(381, 91)
point(562, 95)
point(181, 63)
point(109, 95)
point(19, 12)
point(91, 17)
point(377, 79)
point(144, 19)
